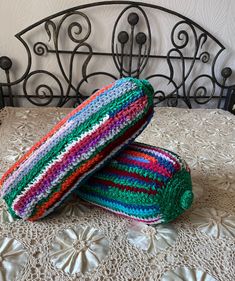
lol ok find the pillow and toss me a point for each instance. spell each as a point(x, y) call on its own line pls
point(78, 145)
point(145, 183)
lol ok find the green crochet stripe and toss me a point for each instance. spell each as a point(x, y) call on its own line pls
point(60, 147)
point(124, 181)
point(58, 186)
point(11, 211)
point(171, 198)
point(146, 214)
point(46, 160)
point(137, 170)
point(126, 196)
point(148, 89)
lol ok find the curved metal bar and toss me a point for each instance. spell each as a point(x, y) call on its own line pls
point(40, 48)
point(56, 43)
point(163, 95)
point(17, 81)
point(197, 44)
point(184, 77)
point(201, 91)
point(42, 86)
point(183, 35)
point(132, 22)
point(107, 3)
point(84, 67)
point(205, 57)
point(221, 85)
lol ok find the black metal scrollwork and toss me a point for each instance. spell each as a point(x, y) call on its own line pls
point(131, 51)
point(180, 40)
point(43, 92)
point(40, 49)
point(74, 31)
point(123, 43)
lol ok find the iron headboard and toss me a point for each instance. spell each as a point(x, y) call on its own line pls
point(132, 50)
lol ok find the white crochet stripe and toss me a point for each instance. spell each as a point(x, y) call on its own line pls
point(59, 158)
point(30, 207)
point(24, 168)
point(95, 168)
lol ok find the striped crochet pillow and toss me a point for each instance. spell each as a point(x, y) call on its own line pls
point(78, 145)
point(143, 182)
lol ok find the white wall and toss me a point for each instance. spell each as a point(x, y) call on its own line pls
point(216, 16)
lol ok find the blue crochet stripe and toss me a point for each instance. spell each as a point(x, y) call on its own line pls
point(130, 101)
point(159, 176)
point(99, 186)
point(138, 211)
point(104, 98)
point(162, 161)
point(135, 158)
point(146, 185)
point(75, 188)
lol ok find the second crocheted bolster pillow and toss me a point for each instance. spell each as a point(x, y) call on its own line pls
point(143, 182)
point(78, 145)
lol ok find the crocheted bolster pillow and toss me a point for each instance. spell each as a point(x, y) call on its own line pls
point(143, 182)
point(79, 144)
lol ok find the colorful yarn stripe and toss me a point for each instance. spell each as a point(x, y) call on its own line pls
point(77, 146)
point(45, 192)
point(50, 134)
point(143, 182)
point(84, 177)
point(59, 134)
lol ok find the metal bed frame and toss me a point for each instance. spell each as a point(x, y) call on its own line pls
point(131, 51)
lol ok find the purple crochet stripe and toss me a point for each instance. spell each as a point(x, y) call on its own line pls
point(50, 183)
point(90, 145)
point(114, 126)
point(95, 168)
point(54, 139)
point(105, 97)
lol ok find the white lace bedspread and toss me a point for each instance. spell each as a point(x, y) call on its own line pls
point(80, 242)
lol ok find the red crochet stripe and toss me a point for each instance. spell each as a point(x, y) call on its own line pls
point(73, 178)
point(50, 133)
point(123, 187)
point(176, 163)
point(141, 102)
point(150, 166)
point(123, 173)
point(57, 166)
point(141, 155)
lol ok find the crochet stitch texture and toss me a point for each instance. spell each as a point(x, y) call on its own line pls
point(77, 146)
point(143, 182)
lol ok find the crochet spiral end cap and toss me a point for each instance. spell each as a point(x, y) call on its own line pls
point(186, 200)
point(177, 196)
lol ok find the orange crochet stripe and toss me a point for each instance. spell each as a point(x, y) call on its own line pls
point(142, 155)
point(65, 185)
point(83, 169)
point(53, 130)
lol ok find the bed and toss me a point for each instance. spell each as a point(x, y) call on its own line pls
point(193, 117)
